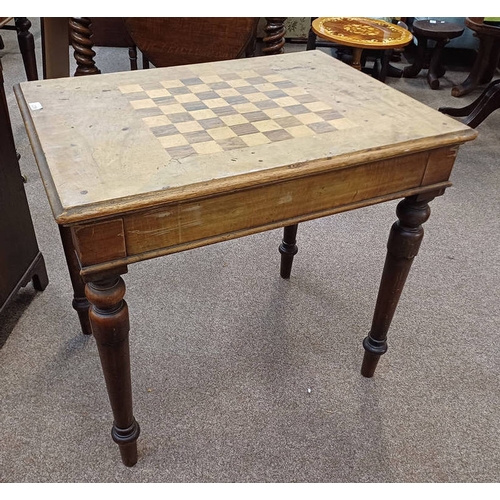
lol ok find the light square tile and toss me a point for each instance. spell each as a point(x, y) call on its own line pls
point(170, 141)
point(246, 107)
point(127, 89)
point(255, 139)
point(172, 108)
point(156, 121)
point(170, 84)
point(184, 127)
point(308, 118)
point(201, 114)
point(221, 133)
point(234, 119)
point(143, 103)
point(204, 148)
point(158, 93)
point(267, 126)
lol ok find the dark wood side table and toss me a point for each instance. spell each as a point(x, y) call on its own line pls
point(150, 163)
point(439, 31)
point(20, 259)
point(486, 62)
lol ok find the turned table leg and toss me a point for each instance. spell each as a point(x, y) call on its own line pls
point(274, 39)
point(356, 58)
point(288, 250)
point(110, 326)
point(80, 303)
point(27, 47)
point(404, 241)
point(80, 30)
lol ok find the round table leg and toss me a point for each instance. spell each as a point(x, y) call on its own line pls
point(356, 58)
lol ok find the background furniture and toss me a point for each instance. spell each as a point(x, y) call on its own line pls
point(170, 41)
point(20, 259)
point(363, 34)
point(26, 43)
point(478, 110)
point(487, 57)
point(441, 32)
point(111, 32)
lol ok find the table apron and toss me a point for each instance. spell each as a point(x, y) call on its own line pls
point(174, 227)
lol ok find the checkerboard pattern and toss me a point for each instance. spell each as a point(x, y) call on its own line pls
point(216, 113)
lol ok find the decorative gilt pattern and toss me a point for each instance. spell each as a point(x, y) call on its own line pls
point(361, 32)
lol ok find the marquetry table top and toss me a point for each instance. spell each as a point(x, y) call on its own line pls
point(362, 32)
point(118, 142)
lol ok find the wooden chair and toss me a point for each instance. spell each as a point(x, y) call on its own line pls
point(163, 41)
point(167, 41)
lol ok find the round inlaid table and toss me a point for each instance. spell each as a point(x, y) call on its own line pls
point(361, 33)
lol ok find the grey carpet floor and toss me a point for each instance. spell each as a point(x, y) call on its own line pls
point(240, 376)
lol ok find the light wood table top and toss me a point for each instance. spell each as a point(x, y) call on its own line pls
point(118, 142)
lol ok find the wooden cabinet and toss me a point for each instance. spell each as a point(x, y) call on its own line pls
point(20, 259)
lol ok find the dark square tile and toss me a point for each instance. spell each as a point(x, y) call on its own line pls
point(179, 90)
point(288, 121)
point(275, 94)
point(321, 127)
point(285, 84)
point(164, 130)
point(225, 111)
point(247, 90)
point(244, 129)
point(180, 117)
point(161, 101)
point(219, 85)
point(198, 136)
point(305, 98)
point(209, 123)
point(193, 106)
point(267, 104)
point(231, 143)
point(256, 80)
point(329, 114)
point(255, 116)
point(297, 109)
point(209, 94)
point(191, 81)
point(181, 151)
point(278, 135)
point(236, 99)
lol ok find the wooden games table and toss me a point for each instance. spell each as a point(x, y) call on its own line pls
point(142, 164)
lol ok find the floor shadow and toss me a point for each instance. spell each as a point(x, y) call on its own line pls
point(13, 312)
